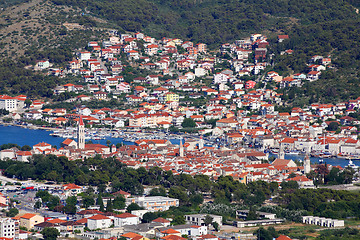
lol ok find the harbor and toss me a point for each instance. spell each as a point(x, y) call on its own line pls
point(25, 136)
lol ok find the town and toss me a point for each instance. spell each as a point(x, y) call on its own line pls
point(186, 110)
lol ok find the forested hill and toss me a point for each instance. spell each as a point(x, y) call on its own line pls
point(214, 21)
point(315, 27)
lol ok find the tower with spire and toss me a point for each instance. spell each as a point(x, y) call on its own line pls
point(81, 134)
point(201, 143)
point(307, 164)
point(181, 149)
point(281, 152)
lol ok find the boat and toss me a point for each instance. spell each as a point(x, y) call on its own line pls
point(352, 165)
point(321, 161)
point(294, 152)
point(343, 155)
point(326, 155)
point(274, 151)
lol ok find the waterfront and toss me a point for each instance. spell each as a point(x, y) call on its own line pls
point(332, 161)
point(24, 136)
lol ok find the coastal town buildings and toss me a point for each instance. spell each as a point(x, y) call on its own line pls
point(7, 228)
point(185, 111)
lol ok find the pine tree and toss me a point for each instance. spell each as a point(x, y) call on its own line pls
point(109, 207)
point(100, 202)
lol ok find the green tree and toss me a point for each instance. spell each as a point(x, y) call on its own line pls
point(177, 192)
point(99, 201)
point(50, 233)
point(216, 226)
point(119, 202)
point(72, 200)
point(208, 220)
point(161, 191)
point(109, 206)
point(101, 188)
point(292, 175)
point(44, 195)
point(178, 220)
point(289, 185)
point(252, 214)
point(188, 123)
point(263, 234)
point(53, 202)
point(12, 212)
point(149, 216)
point(25, 148)
point(37, 205)
point(88, 201)
point(196, 199)
point(132, 207)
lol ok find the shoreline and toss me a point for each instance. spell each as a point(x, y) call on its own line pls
point(33, 127)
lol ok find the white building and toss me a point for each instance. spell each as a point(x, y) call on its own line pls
point(8, 103)
point(98, 222)
point(154, 203)
point(42, 65)
point(221, 78)
point(198, 219)
point(7, 228)
point(244, 213)
point(186, 229)
point(126, 219)
point(324, 222)
point(7, 153)
point(85, 56)
point(199, 72)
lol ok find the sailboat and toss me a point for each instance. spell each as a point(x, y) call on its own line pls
point(352, 165)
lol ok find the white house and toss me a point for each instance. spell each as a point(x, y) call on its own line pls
point(23, 156)
point(126, 219)
point(221, 78)
point(85, 56)
point(199, 72)
point(98, 222)
point(42, 65)
point(198, 219)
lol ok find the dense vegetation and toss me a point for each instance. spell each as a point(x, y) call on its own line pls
point(337, 39)
point(344, 234)
point(183, 186)
point(294, 233)
point(14, 78)
point(323, 202)
point(212, 21)
point(190, 190)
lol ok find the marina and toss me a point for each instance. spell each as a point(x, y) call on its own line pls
point(25, 136)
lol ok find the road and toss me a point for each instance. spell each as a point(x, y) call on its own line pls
point(349, 187)
point(102, 65)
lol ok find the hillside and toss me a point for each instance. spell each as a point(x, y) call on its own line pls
point(315, 27)
point(213, 21)
point(41, 25)
point(38, 29)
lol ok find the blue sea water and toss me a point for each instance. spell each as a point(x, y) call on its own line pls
point(24, 136)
